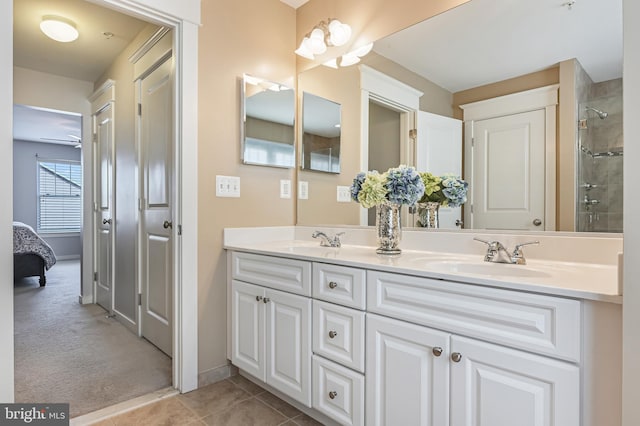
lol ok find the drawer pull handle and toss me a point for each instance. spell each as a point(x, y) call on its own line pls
point(333, 394)
point(266, 300)
point(258, 298)
point(333, 284)
point(332, 334)
point(456, 356)
point(437, 351)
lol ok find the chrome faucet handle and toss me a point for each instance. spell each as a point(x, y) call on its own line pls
point(335, 242)
point(493, 249)
point(518, 257)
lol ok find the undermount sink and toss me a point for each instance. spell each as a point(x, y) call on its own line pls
point(485, 268)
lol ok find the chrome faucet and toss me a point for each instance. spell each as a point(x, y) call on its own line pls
point(326, 241)
point(497, 253)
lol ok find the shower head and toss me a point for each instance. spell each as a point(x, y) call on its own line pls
point(601, 114)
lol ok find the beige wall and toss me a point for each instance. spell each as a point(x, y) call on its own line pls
point(236, 37)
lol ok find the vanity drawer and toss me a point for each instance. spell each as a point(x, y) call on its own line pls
point(289, 275)
point(543, 324)
point(339, 334)
point(338, 392)
point(339, 284)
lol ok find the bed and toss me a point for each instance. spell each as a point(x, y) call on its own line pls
point(32, 256)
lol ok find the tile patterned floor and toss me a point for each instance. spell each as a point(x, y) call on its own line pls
point(232, 402)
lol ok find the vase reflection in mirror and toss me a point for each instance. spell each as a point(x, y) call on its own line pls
point(428, 214)
point(389, 228)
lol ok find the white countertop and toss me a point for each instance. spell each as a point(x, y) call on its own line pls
point(575, 279)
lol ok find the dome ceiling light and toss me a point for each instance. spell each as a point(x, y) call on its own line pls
point(59, 29)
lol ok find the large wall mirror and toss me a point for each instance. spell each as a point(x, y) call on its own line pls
point(485, 49)
point(267, 135)
point(320, 134)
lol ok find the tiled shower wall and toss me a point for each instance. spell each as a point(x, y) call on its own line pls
point(600, 159)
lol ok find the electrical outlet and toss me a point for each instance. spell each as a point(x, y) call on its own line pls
point(303, 190)
point(227, 186)
point(285, 188)
point(344, 194)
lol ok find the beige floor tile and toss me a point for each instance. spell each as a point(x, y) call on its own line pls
point(246, 385)
point(166, 412)
point(304, 420)
point(246, 413)
point(270, 399)
point(214, 398)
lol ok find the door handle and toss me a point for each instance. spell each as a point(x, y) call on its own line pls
point(167, 224)
point(106, 221)
point(537, 222)
point(459, 223)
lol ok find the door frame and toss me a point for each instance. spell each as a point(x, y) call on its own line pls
point(184, 18)
point(393, 94)
point(530, 100)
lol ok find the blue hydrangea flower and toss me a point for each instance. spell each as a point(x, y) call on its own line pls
point(356, 186)
point(455, 189)
point(404, 185)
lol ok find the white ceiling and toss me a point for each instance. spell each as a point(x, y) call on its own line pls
point(85, 59)
point(484, 41)
point(294, 3)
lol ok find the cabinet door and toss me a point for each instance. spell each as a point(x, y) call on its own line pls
point(247, 328)
point(496, 386)
point(407, 374)
point(288, 339)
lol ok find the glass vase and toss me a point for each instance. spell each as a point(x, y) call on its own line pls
point(389, 229)
point(428, 214)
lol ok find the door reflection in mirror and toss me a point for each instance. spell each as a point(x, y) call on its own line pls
point(320, 134)
point(267, 127)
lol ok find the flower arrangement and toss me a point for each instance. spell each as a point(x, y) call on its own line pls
point(448, 190)
point(399, 185)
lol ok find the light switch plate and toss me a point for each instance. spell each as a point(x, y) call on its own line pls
point(344, 194)
point(285, 188)
point(227, 186)
point(303, 190)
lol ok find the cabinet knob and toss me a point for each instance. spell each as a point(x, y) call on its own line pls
point(106, 221)
point(333, 284)
point(437, 351)
point(266, 300)
point(258, 298)
point(333, 394)
point(333, 334)
point(456, 356)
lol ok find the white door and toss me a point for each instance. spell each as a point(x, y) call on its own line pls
point(496, 386)
point(103, 137)
point(407, 374)
point(508, 181)
point(439, 152)
point(288, 344)
point(247, 328)
point(156, 150)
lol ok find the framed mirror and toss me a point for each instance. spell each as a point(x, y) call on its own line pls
point(321, 124)
point(267, 132)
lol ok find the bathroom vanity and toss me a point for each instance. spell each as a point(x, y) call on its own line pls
point(429, 337)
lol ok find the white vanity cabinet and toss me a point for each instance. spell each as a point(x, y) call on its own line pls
point(339, 342)
point(422, 376)
point(271, 329)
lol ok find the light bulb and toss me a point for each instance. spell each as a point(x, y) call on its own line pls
point(304, 50)
point(339, 33)
point(361, 51)
point(315, 42)
point(349, 59)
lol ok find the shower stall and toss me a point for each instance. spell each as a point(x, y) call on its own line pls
point(599, 160)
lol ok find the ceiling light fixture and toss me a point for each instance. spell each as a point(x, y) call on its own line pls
point(58, 28)
point(350, 58)
point(323, 35)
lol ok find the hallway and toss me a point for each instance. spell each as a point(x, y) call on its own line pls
point(71, 353)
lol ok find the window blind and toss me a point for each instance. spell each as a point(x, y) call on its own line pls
point(59, 196)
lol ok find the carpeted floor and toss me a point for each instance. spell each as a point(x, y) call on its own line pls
point(67, 352)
